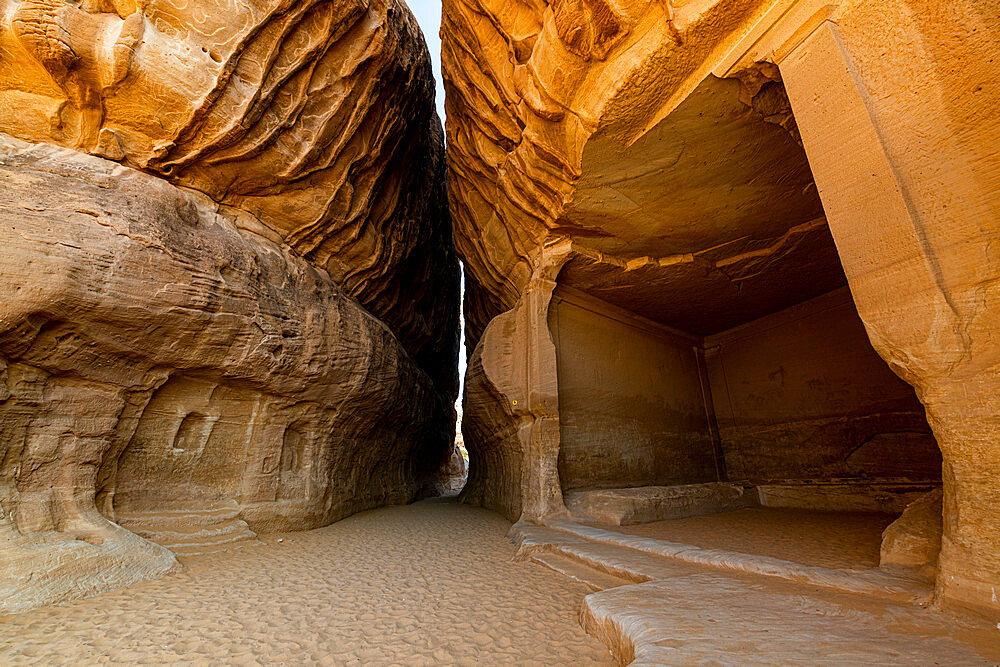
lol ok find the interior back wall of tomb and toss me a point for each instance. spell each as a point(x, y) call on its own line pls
point(801, 395)
point(630, 402)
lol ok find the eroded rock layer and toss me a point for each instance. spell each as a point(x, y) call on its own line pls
point(313, 117)
point(156, 357)
point(239, 311)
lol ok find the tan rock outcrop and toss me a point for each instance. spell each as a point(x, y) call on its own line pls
point(454, 474)
point(645, 504)
point(768, 224)
point(157, 358)
point(239, 311)
point(913, 541)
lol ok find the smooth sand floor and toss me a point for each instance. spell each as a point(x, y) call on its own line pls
point(427, 584)
point(810, 537)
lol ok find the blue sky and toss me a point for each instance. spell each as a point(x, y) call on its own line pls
point(428, 13)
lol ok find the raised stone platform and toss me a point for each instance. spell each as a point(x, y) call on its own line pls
point(710, 619)
point(659, 602)
point(625, 507)
point(645, 504)
point(847, 496)
point(189, 522)
point(639, 559)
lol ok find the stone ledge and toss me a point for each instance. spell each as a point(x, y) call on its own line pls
point(625, 507)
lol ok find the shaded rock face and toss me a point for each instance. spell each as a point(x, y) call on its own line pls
point(696, 251)
point(240, 308)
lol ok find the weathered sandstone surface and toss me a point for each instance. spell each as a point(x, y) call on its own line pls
point(913, 541)
point(313, 119)
point(721, 241)
point(238, 312)
point(646, 504)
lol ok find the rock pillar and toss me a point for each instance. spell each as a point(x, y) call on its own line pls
point(511, 412)
point(896, 104)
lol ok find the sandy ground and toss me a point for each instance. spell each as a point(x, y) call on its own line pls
point(427, 584)
point(824, 539)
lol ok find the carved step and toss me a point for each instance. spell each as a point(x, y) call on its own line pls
point(180, 517)
point(616, 561)
point(192, 532)
point(640, 559)
point(578, 571)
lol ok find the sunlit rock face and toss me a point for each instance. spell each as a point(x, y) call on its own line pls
point(663, 175)
point(730, 241)
point(229, 290)
point(315, 118)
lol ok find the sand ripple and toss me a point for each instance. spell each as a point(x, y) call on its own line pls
point(427, 584)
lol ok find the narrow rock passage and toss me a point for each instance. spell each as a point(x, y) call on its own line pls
point(431, 583)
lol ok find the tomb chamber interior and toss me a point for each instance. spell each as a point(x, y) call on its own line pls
point(731, 251)
point(703, 328)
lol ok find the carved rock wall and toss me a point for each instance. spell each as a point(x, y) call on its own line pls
point(155, 354)
point(801, 395)
point(912, 198)
point(631, 412)
point(239, 311)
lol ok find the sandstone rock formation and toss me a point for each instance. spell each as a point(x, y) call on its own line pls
point(454, 474)
point(239, 310)
point(314, 119)
point(913, 541)
point(731, 241)
point(645, 504)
